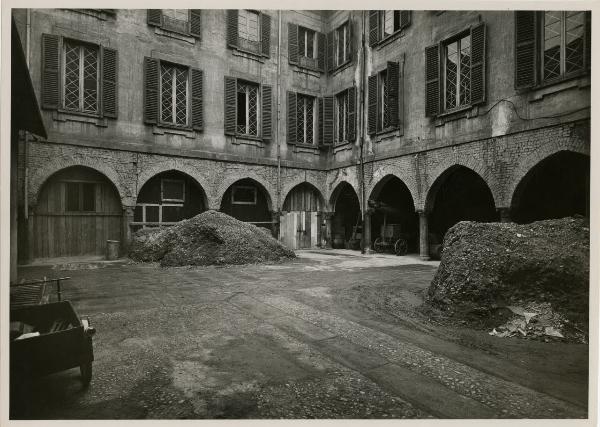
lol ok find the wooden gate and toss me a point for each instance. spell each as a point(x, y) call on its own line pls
point(299, 230)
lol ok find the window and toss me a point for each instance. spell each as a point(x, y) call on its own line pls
point(384, 99)
point(563, 43)
point(155, 214)
point(342, 44)
point(247, 108)
point(182, 21)
point(173, 94)
point(80, 197)
point(391, 22)
point(249, 31)
point(307, 43)
point(306, 47)
point(341, 122)
point(172, 190)
point(457, 72)
point(385, 23)
point(81, 76)
point(305, 122)
point(243, 195)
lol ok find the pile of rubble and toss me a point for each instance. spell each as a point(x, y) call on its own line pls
point(538, 272)
point(210, 238)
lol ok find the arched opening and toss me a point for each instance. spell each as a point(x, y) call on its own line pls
point(556, 187)
point(394, 222)
point(459, 194)
point(301, 222)
point(166, 199)
point(248, 201)
point(347, 220)
point(78, 209)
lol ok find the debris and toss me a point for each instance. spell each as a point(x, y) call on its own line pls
point(551, 332)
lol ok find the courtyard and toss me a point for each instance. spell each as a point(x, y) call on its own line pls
point(331, 334)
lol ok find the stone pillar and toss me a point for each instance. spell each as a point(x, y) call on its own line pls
point(126, 230)
point(504, 214)
point(423, 236)
point(328, 216)
point(275, 224)
point(366, 233)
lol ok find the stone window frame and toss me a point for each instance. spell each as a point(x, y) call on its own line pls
point(244, 187)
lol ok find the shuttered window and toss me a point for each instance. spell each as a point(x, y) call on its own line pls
point(182, 21)
point(250, 31)
point(173, 94)
point(342, 44)
point(305, 119)
point(345, 116)
point(306, 47)
point(79, 77)
point(385, 23)
point(248, 108)
point(457, 73)
point(384, 99)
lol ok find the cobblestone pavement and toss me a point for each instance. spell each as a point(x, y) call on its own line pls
point(283, 341)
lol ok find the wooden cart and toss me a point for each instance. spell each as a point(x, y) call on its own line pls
point(391, 239)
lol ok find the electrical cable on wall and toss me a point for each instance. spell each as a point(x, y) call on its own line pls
point(532, 118)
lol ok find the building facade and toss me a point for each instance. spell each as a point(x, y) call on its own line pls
point(316, 124)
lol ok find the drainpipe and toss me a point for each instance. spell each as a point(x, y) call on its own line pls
point(25, 151)
point(362, 137)
point(278, 133)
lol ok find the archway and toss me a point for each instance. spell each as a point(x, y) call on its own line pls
point(78, 209)
point(393, 216)
point(556, 187)
point(301, 222)
point(248, 201)
point(459, 194)
point(168, 198)
point(346, 217)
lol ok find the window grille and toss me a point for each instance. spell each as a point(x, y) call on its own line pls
point(247, 108)
point(457, 68)
point(305, 125)
point(563, 34)
point(174, 87)
point(342, 116)
point(81, 77)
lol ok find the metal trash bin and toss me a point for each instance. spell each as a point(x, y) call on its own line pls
point(112, 249)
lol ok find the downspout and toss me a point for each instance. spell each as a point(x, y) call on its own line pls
point(25, 151)
point(278, 133)
point(362, 131)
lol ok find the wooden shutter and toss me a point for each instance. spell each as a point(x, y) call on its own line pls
point(393, 83)
point(50, 70)
point(328, 112)
point(478, 60)
point(587, 52)
point(197, 77)
point(267, 111)
point(291, 116)
point(330, 55)
point(405, 16)
point(110, 67)
point(352, 114)
point(373, 27)
point(195, 22)
point(350, 42)
point(232, 27)
point(230, 105)
point(151, 82)
point(321, 121)
point(266, 34)
point(525, 49)
point(155, 17)
point(321, 43)
point(293, 43)
point(432, 80)
point(372, 104)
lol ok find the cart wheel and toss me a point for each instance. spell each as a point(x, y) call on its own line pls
point(86, 373)
point(378, 245)
point(401, 247)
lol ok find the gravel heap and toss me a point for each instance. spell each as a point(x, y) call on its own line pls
point(210, 238)
point(489, 266)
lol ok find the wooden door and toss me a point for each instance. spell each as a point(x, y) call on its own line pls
point(299, 230)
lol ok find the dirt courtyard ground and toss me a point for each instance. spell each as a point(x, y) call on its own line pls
point(332, 334)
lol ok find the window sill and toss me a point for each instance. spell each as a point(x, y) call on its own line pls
point(248, 140)
point(342, 146)
point(300, 147)
point(74, 116)
point(244, 53)
point(548, 88)
point(341, 67)
point(464, 112)
point(389, 39)
point(163, 129)
point(100, 14)
point(314, 72)
point(384, 134)
point(174, 35)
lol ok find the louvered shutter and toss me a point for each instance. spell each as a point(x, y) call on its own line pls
point(393, 82)
point(266, 34)
point(373, 27)
point(155, 17)
point(352, 114)
point(232, 27)
point(230, 106)
point(372, 105)
point(330, 56)
point(267, 111)
point(328, 120)
point(525, 49)
point(432, 80)
point(478, 60)
point(321, 121)
point(50, 70)
point(197, 77)
point(405, 16)
point(349, 42)
point(195, 22)
point(110, 67)
point(151, 79)
point(588, 40)
point(293, 43)
point(321, 43)
point(291, 116)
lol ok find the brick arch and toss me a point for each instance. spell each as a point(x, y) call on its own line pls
point(532, 160)
point(40, 176)
point(443, 168)
point(172, 165)
point(229, 181)
point(293, 183)
point(381, 175)
point(342, 176)
point(335, 193)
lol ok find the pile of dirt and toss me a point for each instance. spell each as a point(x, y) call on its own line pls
point(210, 238)
point(487, 268)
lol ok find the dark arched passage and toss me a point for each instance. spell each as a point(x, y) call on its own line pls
point(556, 187)
point(346, 217)
point(248, 201)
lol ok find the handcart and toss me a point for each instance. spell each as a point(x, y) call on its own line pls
point(392, 239)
